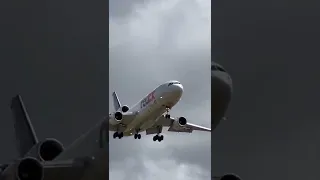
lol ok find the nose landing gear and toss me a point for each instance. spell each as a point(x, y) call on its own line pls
point(137, 135)
point(167, 115)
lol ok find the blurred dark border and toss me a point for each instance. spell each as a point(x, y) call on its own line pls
point(56, 55)
point(271, 50)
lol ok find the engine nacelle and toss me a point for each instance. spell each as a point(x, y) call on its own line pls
point(49, 149)
point(124, 108)
point(180, 122)
point(230, 177)
point(46, 150)
point(29, 169)
point(115, 118)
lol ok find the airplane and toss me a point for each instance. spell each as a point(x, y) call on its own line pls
point(221, 93)
point(48, 159)
point(151, 114)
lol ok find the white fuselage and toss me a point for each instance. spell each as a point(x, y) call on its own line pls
point(154, 105)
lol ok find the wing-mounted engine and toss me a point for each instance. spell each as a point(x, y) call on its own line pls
point(229, 177)
point(115, 118)
point(179, 123)
point(46, 150)
point(29, 169)
point(124, 108)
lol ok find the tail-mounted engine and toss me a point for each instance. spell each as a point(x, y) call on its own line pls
point(180, 122)
point(115, 118)
point(49, 149)
point(46, 150)
point(29, 169)
point(124, 108)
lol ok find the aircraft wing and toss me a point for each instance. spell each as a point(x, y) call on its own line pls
point(174, 126)
point(53, 170)
point(69, 169)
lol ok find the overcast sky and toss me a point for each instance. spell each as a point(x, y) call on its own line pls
point(152, 42)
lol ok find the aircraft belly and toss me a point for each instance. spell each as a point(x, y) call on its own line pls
point(146, 115)
point(153, 119)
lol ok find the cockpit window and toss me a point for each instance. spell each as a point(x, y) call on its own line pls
point(173, 83)
point(217, 68)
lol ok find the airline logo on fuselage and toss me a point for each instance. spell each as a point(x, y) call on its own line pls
point(147, 99)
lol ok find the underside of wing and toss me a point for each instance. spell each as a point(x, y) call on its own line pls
point(154, 130)
point(70, 169)
point(180, 124)
point(33, 169)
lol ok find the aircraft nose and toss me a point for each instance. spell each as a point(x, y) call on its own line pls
point(221, 91)
point(178, 88)
point(223, 80)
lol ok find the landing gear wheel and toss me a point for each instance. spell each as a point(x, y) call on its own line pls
point(158, 138)
point(117, 134)
point(167, 116)
point(120, 135)
point(155, 137)
point(137, 136)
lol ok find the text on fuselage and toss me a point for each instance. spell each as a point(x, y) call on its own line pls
point(148, 99)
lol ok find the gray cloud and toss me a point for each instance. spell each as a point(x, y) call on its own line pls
point(155, 42)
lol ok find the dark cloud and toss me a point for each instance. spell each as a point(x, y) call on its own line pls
point(269, 48)
point(123, 8)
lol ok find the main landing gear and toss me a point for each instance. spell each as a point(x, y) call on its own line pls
point(117, 135)
point(137, 136)
point(158, 137)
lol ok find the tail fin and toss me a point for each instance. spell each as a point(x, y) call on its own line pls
point(116, 101)
point(25, 135)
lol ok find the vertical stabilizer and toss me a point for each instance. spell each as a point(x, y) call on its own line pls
point(25, 135)
point(116, 101)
